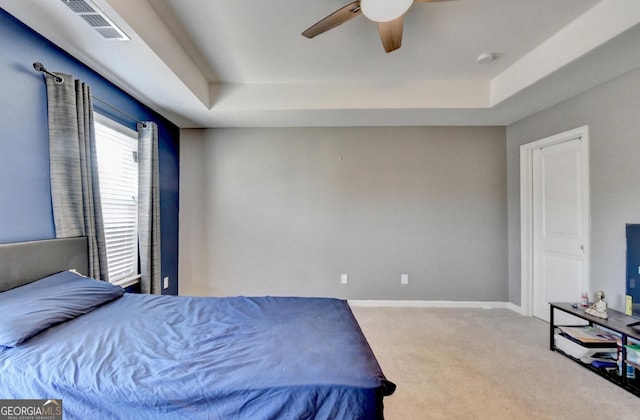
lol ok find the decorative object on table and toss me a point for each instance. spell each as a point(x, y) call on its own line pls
point(599, 306)
point(585, 299)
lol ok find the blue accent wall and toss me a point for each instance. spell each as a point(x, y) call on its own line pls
point(25, 194)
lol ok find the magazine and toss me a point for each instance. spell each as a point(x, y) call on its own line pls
point(590, 335)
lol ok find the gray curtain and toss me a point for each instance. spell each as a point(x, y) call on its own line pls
point(149, 208)
point(75, 192)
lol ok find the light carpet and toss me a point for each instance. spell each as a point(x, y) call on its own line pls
point(483, 364)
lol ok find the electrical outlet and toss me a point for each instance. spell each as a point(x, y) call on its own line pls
point(165, 284)
point(344, 279)
point(404, 279)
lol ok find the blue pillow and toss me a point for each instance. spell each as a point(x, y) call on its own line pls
point(27, 310)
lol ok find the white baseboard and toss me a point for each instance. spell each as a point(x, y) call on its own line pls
point(431, 304)
point(436, 304)
point(516, 308)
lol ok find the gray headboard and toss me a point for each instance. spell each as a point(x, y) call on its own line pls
point(25, 262)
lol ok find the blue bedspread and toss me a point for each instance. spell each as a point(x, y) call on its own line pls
point(154, 357)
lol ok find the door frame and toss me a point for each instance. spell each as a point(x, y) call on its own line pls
point(526, 210)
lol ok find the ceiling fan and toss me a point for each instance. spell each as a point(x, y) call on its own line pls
point(387, 13)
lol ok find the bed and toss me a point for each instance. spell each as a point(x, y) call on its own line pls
point(109, 354)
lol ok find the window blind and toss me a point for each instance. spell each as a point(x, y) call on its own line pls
point(117, 148)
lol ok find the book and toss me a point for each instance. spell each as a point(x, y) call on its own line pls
point(590, 335)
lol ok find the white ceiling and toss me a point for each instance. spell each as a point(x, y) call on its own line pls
point(229, 63)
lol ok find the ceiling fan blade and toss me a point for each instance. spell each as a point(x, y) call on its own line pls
point(336, 18)
point(391, 34)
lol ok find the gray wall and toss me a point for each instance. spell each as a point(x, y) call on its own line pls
point(286, 211)
point(612, 112)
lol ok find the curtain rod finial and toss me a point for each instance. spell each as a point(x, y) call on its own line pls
point(39, 67)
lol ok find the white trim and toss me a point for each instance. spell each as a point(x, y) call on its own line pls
point(526, 213)
point(426, 304)
point(516, 308)
point(129, 281)
point(526, 227)
point(114, 125)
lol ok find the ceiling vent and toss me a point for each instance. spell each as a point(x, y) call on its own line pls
point(96, 19)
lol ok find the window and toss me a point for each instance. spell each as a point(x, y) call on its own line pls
point(117, 153)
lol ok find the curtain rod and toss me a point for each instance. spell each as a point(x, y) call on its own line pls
point(120, 111)
point(59, 79)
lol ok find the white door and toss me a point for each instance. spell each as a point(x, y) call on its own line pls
point(559, 224)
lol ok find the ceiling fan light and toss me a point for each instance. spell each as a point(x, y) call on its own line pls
point(384, 10)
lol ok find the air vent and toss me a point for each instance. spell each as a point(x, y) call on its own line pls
point(96, 19)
